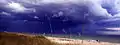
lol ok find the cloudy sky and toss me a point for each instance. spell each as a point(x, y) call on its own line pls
point(42, 16)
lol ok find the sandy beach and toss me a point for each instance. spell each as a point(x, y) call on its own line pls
point(8, 38)
point(67, 41)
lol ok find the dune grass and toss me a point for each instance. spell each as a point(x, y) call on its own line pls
point(22, 39)
point(10, 38)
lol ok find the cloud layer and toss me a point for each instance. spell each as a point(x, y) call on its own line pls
point(96, 8)
point(91, 12)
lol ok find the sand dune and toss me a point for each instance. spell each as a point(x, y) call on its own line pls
point(10, 38)
point(23, 39)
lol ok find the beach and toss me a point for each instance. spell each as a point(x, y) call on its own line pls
point(10, 38)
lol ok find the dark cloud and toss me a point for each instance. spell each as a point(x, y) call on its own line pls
point(39, 17)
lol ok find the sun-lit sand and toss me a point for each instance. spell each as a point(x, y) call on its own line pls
point(8, 38)
point(65, 41)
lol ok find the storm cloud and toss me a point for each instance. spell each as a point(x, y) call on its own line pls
point(73, 14)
